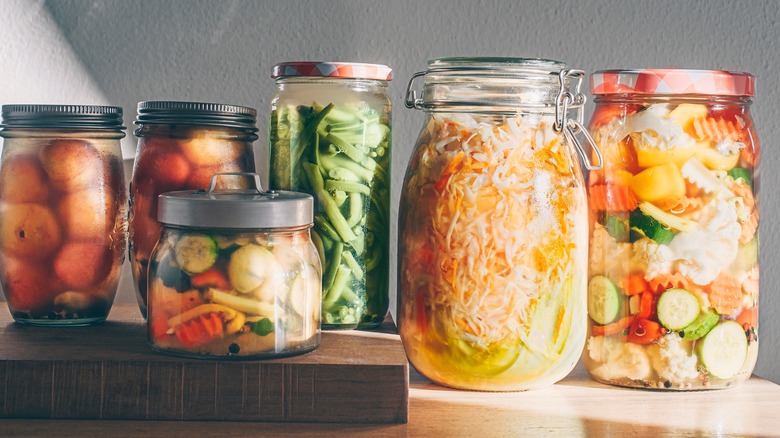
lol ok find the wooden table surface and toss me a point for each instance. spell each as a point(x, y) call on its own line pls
point(576, 406)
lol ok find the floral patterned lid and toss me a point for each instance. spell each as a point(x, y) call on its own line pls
point(346, 70)
point(673, 81)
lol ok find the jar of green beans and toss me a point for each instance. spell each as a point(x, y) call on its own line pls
point(330, 136)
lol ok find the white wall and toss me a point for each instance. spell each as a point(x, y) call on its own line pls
point(121, 52)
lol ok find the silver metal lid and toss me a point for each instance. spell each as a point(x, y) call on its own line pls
point(236, 209)
point(197, 113)
point(89, 117)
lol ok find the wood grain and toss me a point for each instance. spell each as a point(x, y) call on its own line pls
point(108, 372)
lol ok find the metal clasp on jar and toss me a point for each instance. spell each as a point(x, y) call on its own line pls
point(571, 127)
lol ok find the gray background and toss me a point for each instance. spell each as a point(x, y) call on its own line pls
point(121, 52)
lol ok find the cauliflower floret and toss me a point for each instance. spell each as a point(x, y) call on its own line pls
point(651, 129)
point(652, 258)
point(672, 359)
point(624, 360)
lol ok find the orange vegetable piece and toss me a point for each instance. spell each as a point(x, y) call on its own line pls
point(636, 284)
point(612, 197)
point(647, 303)
point(748, 317)
point(662, 282)
point(613, 328)
point(725, 293)
point(644, 331)
point(201, 330)
point(211, 278)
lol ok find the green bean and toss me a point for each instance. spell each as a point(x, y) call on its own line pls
point(329, 163)
point(331, 209)
point(346, 147)
point(355, 209)
point(330, 274)
point(342, 174)
point(346, 186)
point(339, 286)
point(353, 264)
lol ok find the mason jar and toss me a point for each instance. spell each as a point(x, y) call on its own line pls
point(330, 136)
point(492, 245)
point(673, 273)
point(62, 212)
point(180, 145)
point(235, 274)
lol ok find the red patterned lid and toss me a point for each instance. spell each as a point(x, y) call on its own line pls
point(347, 70)
point(673, 81)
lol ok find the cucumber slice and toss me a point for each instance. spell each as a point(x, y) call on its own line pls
point(700, 326)
point(650, 227)
point(616, 227)
point(677, 308)
point(604, 300)
point(196, 253)
point(724, 349)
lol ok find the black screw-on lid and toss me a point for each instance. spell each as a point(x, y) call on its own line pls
point(197, 113)
point(89, 117)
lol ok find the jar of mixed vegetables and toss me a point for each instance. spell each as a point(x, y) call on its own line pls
point(180, 145)
point(673, 285)
point(235, 274)
point(62, 212)
point(330, 136)
point(493, 225)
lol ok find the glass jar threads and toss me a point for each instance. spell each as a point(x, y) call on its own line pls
point(330, 136)
point(673, 286)
point(180, 145)
point(62, 212)
point(235, 274)
point(493, 225)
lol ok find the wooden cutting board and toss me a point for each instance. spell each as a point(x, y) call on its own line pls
point(108, 372)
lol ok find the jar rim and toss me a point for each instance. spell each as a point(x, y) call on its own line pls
point(672, 81)
point(333, 69)
point(62, 116)
point(196, 113)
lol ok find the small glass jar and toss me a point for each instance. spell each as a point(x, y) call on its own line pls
point(492, 244)
point(180, 145)
point(62, 212)
point(673, 272)
point(330, 136)
point(235, 274)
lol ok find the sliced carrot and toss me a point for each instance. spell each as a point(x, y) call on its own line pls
point(636, 284)
point(613, 328)
point(451, 168)
point(201, 330)
point(661, 282)
point(725, 293)
point(612, 197)
point(211, 278)
point(644, 331)
point(158, 326)
point(716, 130)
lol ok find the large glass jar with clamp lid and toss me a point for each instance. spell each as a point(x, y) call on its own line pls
point(493, 225)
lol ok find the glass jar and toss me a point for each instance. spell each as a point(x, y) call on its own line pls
point(330, 136)
point(62, 212)
point(492, 242)
point(673, 285)
point(235, 274)
point(180, 145)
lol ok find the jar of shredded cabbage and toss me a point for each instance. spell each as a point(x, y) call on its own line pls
point(673, 285)
point(493, 225)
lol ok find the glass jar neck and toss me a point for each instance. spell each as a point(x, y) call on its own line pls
point(639, 99)
point(368, 85)
point(97, 134)
point(185, 131)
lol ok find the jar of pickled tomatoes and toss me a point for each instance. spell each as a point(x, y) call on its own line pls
point(62, 212)
point(235, 273)
point(492, 242)
point(673, 273)
point(180, 145)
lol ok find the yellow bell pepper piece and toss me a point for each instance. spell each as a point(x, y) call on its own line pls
point(658, 183)
point(715, 160)
point(686, 113)
point(649, 157)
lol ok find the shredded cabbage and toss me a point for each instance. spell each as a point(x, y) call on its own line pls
point(492, 239)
